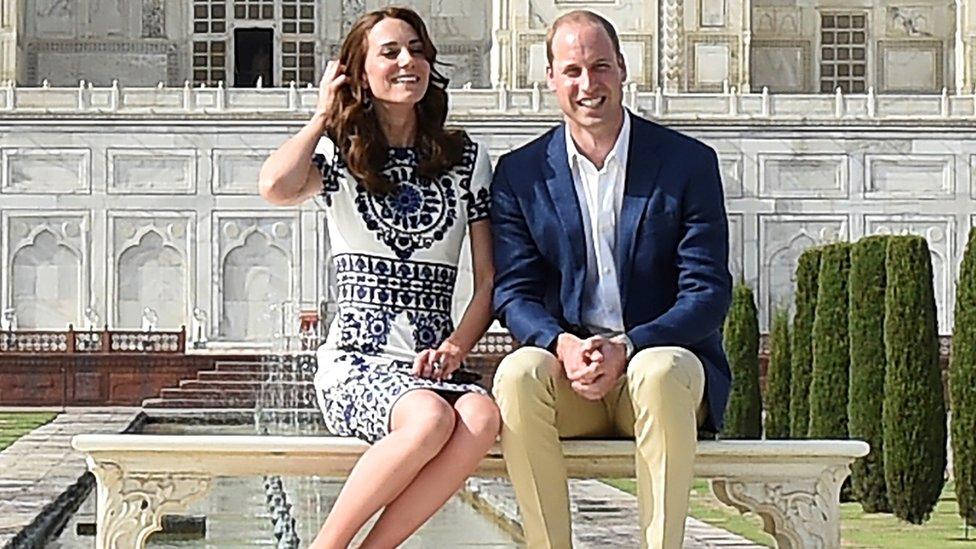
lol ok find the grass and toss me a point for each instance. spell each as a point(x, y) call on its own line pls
point(858, 529)
point(14, 425)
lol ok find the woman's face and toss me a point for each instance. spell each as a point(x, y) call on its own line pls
point(396, 70)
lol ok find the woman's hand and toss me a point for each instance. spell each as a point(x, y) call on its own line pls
point(438, 364)
point(333, 79)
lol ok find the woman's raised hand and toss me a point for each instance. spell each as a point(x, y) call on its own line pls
point(333, 79)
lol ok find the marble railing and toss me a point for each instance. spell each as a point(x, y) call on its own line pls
point(499, 102)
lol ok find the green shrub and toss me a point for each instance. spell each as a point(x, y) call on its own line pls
point(801, 350)
point(866, 329)
point(743, 415)
point(962, 385)
point(914, 415)
point(831, 349)
point(777, 399)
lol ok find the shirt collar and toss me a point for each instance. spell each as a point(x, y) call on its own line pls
point(617, 154)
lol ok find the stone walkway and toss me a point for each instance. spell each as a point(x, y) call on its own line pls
point(41, 465)
point(603, 516)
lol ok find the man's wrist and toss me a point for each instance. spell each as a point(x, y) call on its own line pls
point(622, 339)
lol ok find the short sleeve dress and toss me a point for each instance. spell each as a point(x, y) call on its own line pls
point(396, 263)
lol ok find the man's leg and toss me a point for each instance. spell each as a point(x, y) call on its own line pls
point(661, 408)
point(538, 406)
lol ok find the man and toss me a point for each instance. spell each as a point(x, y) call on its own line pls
point(611, 247)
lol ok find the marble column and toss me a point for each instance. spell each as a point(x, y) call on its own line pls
point(672, 45)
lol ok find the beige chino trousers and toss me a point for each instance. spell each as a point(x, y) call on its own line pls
point(658, 402)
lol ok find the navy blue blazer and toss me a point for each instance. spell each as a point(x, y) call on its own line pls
point(671, 248)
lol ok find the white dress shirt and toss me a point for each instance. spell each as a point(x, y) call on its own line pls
point(601, 194)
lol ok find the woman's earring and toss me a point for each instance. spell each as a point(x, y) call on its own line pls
point(367, 101)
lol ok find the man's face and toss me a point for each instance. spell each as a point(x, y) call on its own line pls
point(586, 74)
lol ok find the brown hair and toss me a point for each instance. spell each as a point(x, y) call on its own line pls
point(353, 126)
point(577, 16)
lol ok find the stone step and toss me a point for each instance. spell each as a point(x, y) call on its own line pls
point(245, 385)
point(212, 395)
point(214, 375)
point(173, 402)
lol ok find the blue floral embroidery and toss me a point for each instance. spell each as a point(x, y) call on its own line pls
point(476, 202)
point(417, 213)
point(361, 404)
point(430, 328)
point(331, 172)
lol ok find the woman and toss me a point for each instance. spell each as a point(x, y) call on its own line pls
point(400, 191)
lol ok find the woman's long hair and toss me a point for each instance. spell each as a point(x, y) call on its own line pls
point(353, 126)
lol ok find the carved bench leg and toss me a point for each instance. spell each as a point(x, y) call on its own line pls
point(130, 505)
point(800, 513)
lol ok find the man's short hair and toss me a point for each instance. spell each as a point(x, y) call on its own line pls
point(577, 16)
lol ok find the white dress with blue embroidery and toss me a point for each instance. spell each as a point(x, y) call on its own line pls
point(396, 263)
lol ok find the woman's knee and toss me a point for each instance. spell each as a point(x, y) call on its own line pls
point(523, 368)
point(479, 415)
point(425, 417)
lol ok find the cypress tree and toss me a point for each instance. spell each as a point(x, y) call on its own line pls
point(866, 329)
point(801, 350)
point(962, 385)
point(778, 377)
point(914, 415)
point(743, 415)
point(831, 350)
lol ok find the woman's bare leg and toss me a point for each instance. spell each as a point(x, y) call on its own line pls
point(475, 431)
point(421, 424)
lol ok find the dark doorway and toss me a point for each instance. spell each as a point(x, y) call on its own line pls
point(253, 57)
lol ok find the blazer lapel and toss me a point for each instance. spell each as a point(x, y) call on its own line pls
point(642, 168)
point(562, 190)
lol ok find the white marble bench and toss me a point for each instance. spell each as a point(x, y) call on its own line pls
point(793, 485)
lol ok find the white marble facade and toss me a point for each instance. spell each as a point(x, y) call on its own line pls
point(143, 197)
point(172, 221)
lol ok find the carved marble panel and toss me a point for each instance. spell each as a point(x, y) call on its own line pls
point(781, 65)
point(153, 19)
point(46, 257)
point(235, 171)
point(107, 17)
point(46, 171)
point(711, 13)
point(803, 175)
point(908, 21)
point(711, 61)
point(731, 168)
point(919, 177)
point(150, 265)
point(781, 20)
point(54, 18)
point(256, 267)
point(151, 171)
point(925, 59)
point(132, 63)
point(782, 238)
point(940, 232)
